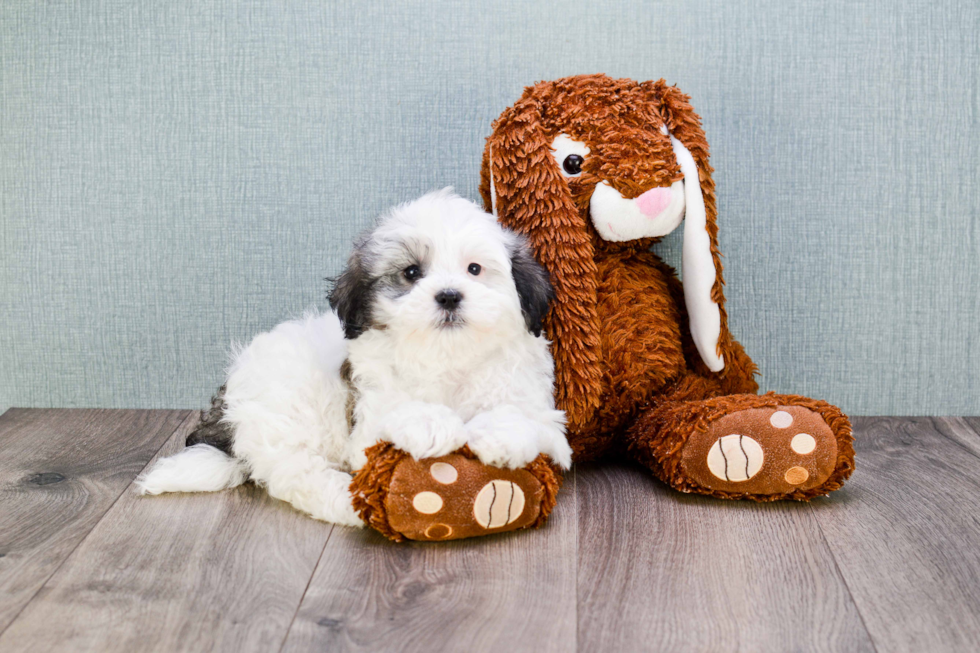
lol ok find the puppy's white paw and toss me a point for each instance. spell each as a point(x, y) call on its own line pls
point(424, 430)
point(503, 438)
point(559, 451)
point(552, 438)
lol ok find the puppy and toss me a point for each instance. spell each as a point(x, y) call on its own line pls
point(434, 343)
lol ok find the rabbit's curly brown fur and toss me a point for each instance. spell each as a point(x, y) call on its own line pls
point(619, 325)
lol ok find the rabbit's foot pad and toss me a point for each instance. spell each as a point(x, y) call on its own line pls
point(762, 451)
point(450, 497)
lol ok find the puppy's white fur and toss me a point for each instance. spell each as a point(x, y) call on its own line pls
point(424, 378)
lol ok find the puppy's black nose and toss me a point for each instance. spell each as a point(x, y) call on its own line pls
point(449, 299)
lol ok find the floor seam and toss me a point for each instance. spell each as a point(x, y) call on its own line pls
point(578, 551)
point(840, 573)
point(306, 589)
point(183, 421)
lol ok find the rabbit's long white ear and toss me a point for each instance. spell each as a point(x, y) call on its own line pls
point(697, 265)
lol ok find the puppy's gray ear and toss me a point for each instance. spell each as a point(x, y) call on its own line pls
point(533, 285)
point(352, 293)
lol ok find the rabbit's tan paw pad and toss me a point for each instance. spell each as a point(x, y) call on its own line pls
point(453, 496)
point(762, 451)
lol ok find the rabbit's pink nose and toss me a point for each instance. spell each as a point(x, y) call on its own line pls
point(654, 201)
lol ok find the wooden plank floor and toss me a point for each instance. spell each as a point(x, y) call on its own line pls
point(890, 563)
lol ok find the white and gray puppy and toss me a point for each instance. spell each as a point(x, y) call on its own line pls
point(438, 345)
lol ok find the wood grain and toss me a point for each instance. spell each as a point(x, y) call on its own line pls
point(891, 561)
point(511, 592)
point(974, 424)
point(664, 571)
point(906, 534)
point(205, 572)
point(60, 471)
point(960, 431)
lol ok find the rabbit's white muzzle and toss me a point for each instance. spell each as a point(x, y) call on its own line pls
point(655, 213)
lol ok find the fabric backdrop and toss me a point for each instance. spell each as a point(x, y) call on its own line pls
point(177, 175)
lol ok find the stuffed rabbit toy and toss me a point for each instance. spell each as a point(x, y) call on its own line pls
point(593, 171)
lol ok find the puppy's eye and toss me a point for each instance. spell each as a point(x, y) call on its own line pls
point(474, 269)
point(412, 273)
point(573, 164)
point(569, 155)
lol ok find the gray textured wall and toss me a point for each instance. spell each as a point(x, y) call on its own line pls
point(177, 175)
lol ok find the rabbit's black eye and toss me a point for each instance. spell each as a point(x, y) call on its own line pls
point(474, 269)
point(573, 164)
point(412, 273)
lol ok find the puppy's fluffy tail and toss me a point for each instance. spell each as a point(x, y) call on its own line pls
point(199, 468)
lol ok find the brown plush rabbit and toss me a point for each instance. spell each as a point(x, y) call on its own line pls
point(593, 171)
